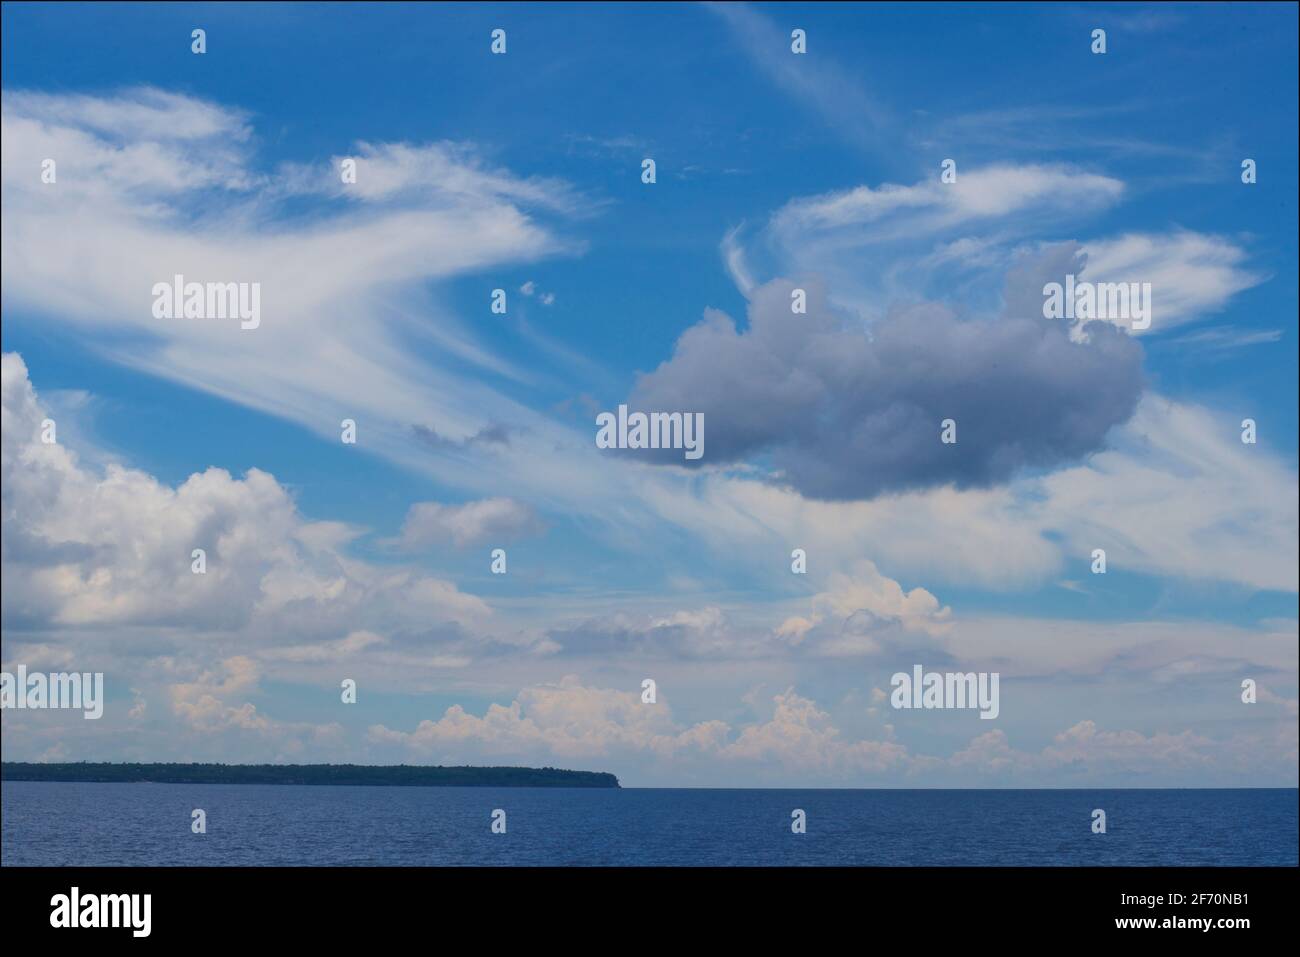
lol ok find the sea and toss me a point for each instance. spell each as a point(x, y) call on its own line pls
point(55, 823)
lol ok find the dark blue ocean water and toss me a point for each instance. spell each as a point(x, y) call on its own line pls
point(113, 824)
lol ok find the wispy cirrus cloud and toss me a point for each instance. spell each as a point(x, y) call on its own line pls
point(824, 86)
point(892, 211)
point(350, 328)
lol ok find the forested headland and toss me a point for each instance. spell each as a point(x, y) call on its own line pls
point(397, 775)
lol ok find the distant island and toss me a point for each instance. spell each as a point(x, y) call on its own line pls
point(392, 775)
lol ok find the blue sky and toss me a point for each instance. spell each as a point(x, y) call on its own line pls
point(774, 171)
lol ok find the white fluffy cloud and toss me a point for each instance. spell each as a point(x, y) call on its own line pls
point(570, 720)
point(113, 548)
point(576, 722)
point(565, 719)
point(865, 613)
point(493, 520)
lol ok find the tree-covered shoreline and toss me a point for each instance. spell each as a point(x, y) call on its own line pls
point(399, 775)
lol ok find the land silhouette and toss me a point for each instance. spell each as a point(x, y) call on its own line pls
point(392, 775)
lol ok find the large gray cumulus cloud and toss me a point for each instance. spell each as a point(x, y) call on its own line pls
point(851, 412)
